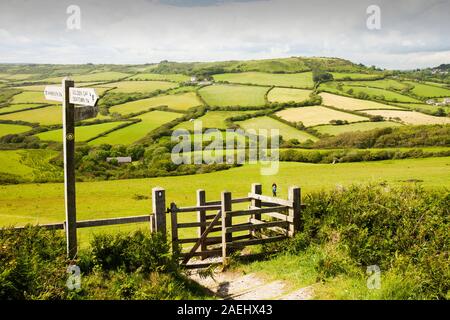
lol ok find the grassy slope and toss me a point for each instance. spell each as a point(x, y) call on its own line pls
point(268, 123)
point(12, 129)
point(44, 202)
point(311, 116)
point(424, 90)
point(45, 116)
point(288, 95)
point(298, 80)
point(142, 86)
point(212, 119)
point(159, 77)
point(134, 132)
point(233, 95)
point(347, 103)
point(82, 133)
point(360, 126)
point(177, 102)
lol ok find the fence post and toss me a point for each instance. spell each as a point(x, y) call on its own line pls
point(294, 212)
point(174, 225)
point(159, 209)
point(226, 222)
point(201, 217)
point(257, 189)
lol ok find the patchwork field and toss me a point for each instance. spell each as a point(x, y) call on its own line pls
point(31, 97)
point(212, 119)
point(424, 90)
point(422, 107)
point(6, 129)
point(386, 94)
point(19, 107)
point(288, 95)
point(82, 133)
point(234, 95)
point(176, 101)
point(24, 163)
point(134, 132)
point(297, 80)
point(92, 77)
point(410, 117)
point(268, 123)
point(45, 116)
point(141, 86)
point(348, 75)
point(44, 203)
point(360, 126)
point(352, 104)
point(381, 84)
point(161, 77)
point(312, 116)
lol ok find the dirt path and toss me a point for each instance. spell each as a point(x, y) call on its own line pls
point(239, 286)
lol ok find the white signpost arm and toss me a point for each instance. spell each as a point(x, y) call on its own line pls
point(69, 169)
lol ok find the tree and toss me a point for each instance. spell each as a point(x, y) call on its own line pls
point(321, 76)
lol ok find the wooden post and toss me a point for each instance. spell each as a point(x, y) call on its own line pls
point(257, 189)
point(294, 212)
point(226, 222)
point(174, 226)
point(159, 209)
point(201, 217)
point(69, 170)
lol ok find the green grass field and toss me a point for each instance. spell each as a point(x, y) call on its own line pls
point(233, 95)
point(360, 126)
point(288, 95)
point(15, 161)
point(176, 101)
point(424, 90)
point(344, 75)
point(31, 97)
point(347, 103)
point(297, 80)
point(268, 123)
point(410, 117)
point(312, 116)
point(19, 107)
point(45, 116)
point(381, 84)
point(212, 119)
point(12, 129)
point(161, 77)
point(388, 95)
point(141, 86)
point(82, 133)
point(44, 203)
point(134, 132)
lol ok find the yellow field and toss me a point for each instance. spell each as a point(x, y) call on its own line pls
point(410, 117)
point(312, 116)
point(346, 103)
point(46, 116)
point(288, 95)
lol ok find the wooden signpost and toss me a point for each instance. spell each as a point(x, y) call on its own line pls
point(68, 95)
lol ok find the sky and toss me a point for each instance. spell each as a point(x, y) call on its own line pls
point(412, 34)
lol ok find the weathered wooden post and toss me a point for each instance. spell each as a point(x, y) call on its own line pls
point(159, 209)
point(256, 189)
point(201, 218)
point(174, 225)
point(69, 169)
point(295, 211)
point(227, 237)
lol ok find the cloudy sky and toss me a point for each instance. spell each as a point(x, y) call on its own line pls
point(414, 33)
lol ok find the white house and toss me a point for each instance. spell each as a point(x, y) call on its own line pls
point(119, 159)
point(431, 101)
point(446, 100)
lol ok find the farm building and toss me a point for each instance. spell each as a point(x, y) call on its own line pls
point(119, 160)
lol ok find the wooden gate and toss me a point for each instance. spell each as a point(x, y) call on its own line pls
point(266, 219)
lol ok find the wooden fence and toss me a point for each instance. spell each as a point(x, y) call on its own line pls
point(280, 217)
